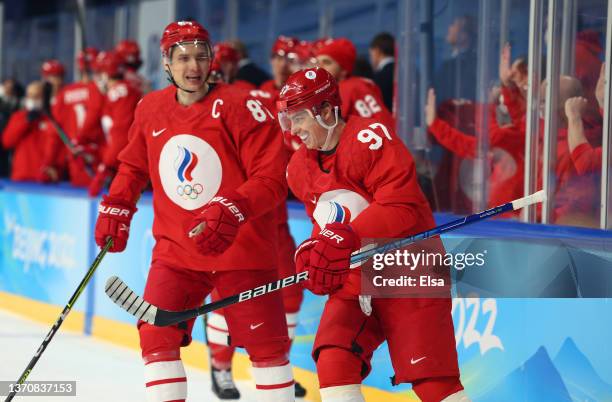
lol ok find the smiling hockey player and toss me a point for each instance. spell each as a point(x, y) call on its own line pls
point(362, 165)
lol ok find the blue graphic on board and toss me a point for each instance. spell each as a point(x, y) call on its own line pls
point(509, 349)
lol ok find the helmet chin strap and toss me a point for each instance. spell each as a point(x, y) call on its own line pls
point(170, 79)
point(330, 129)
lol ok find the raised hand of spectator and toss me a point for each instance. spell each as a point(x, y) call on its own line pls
point(601, 86)
point(574, 107)
point(505, 68)
point(430, 107)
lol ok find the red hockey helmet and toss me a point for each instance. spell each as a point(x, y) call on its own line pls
point(215, 73)
point(130, 52)
point(342, 50)
point(307, 89)
point(225, 53)
point(302, 56)
point(283, 45)
point(52, 67)
point(111, 63)
point(86, 58)
point(181, 32)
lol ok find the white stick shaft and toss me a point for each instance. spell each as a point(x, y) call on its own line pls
point(534, 198)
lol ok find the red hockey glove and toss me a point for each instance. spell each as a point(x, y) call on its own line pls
point(102, 178)
point(327, 258)
point(216, 226)
point(114, 217)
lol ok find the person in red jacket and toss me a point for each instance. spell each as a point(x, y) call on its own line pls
point(117, 115)
point(367, 171)
point(506, 151)
point(573, 193)
point(212, 155)
point(587, 158)
point(360, 96)
point(506, 142)
point(24, 133)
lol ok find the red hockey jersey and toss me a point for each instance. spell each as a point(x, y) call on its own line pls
point(362, 97)
point(224, 142)
point(117, 117)
point(372, 173)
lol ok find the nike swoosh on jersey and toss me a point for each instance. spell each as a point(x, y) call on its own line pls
point(413, 361)
point(156, 133)
point(256, 326)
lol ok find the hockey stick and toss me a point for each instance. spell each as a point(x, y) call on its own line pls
point(125, 298)
point(61, 318)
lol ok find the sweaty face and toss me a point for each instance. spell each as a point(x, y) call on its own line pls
point(189, 64)
point(330, 65)
point(304, 125)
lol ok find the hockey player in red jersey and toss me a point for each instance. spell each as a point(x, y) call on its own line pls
point(212, 156)
point(70, 109)
point(130, 53)
point(227, 57)
point(279, 62)
point(217, 335)
point(52, 72)
point(360, 96)
point(363, 166)
point(117, 115)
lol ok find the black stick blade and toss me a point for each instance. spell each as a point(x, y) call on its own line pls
point(124, 297)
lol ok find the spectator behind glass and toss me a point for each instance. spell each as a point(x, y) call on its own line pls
point(10, 96)
point(586, 158)
point(456, 77)
point(26, 133)
point(455, 86)
point(575, 196)
point(506, 132)
point(382, 59)
point(247, 70)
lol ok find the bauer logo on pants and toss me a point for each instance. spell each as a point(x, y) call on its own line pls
point(190, 171)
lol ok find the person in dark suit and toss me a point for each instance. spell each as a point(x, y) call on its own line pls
point(382, 59)
point(247, 70)
point(456, 77)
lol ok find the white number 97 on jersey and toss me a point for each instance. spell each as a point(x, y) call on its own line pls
point(369, 136)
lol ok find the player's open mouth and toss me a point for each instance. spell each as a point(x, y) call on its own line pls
point(195, 79)
point(303, 136)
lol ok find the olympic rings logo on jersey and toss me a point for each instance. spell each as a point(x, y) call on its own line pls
point(189, 192)
point(190, 171)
